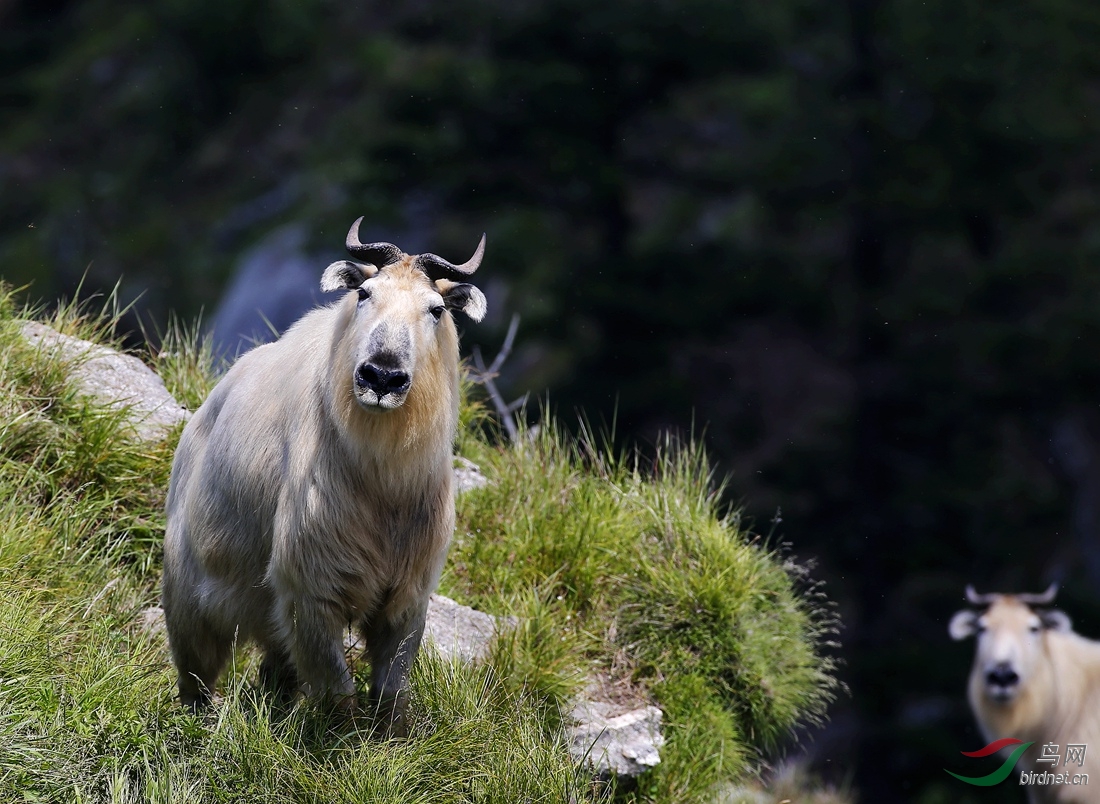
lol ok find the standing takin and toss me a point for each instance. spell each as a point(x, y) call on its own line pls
point(312, 489)
point(1035, 680)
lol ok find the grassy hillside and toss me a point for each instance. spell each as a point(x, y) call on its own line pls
point(620, 572)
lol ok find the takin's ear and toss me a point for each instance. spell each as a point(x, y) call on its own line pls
point(1055, 620)
point(346, 275)
point(462, 296)
point(964, 624)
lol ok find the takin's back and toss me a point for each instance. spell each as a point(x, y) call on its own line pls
point(233, 461)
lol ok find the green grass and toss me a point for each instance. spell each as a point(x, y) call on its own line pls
point(635, 573)
point(613, 568)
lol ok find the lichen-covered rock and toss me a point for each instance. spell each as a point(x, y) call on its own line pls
point(611, 741)
point(115, 380)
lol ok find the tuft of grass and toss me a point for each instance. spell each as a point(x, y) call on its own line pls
point(89, 716)
point(628, 571)
point(542, 655)
point(185, 361)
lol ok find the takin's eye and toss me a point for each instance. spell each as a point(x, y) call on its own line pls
point(364, 294)
point(437, 311)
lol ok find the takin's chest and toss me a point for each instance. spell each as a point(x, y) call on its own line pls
point(358, 554)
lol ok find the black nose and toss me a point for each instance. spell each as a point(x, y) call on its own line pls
point(382, 380)
point(1002, 676)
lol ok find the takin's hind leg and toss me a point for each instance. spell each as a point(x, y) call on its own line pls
point(200, 655)
point(278, 674)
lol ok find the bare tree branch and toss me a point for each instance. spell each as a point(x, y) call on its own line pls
point(487, 376)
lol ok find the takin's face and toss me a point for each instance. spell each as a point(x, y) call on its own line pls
point(399, 313)
point(1011, 643)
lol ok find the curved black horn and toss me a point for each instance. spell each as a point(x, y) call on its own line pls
point(974, 599)
point(438, 268)
point(1041, 599)
point(377, 254)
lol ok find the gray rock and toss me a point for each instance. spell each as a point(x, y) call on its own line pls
point(457, 631)
point(611, 741)
point(274, 284)
point(151, 621)
point(115, 380)
point(468, 475)
point(453, 630)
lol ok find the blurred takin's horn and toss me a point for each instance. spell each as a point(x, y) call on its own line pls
point(377, 254)
point(438, 268)
point(1042, 599)
point(974, 599)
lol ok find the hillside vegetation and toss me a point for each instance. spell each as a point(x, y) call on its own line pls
point(625, 573)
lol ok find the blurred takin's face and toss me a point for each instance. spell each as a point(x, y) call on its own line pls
point(1010, 637)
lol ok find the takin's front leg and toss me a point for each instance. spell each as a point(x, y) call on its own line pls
point(314, 638)
point(392, 647)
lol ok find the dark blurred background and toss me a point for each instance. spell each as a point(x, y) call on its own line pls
point(856, 244)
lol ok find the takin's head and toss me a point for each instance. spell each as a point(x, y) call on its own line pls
point(402, 311)
point(1010, 633)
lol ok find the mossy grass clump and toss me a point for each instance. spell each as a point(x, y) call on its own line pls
point(614, 569)
point(641, 574)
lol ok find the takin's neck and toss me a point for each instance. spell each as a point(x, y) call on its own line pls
point(420, 433)
point(422, 427)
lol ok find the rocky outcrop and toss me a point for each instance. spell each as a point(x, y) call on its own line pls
point(115, 380)
point(457, 631)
